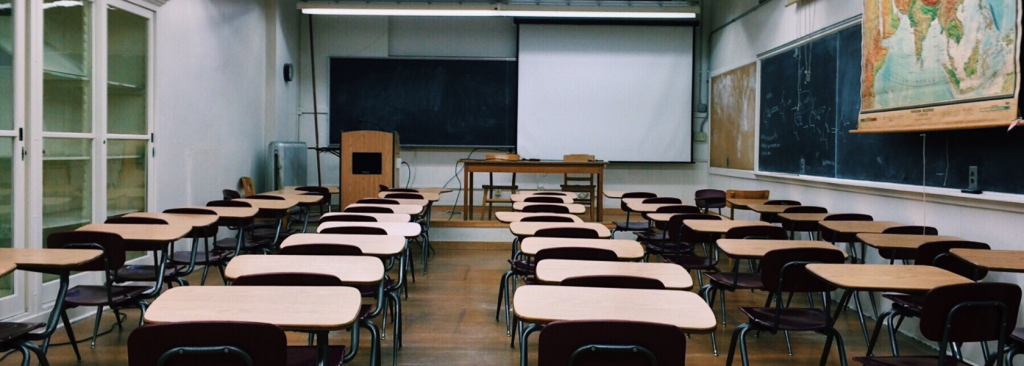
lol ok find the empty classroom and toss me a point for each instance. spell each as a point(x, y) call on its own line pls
point(608, 182)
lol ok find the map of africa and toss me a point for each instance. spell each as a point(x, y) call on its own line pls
point(934, 52)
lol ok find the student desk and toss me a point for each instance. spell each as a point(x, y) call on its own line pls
point(409, 201)
point(615, 194)
point(666, 217)
point(403, 229)
point(305, 201)
point(509, 217)
point(770, 209)
point(549, 193)
point(757, 248)
point(803, 217)
point(673, 276)
point(900, 242)
point(574, 208)
point(403, 209)
point(196, 221)
point(144, 238)
point(992, 260)
point(58, 261)
point(333, 190)
point(427, 196)
point(521, 197)
point(744, 203)
point(720, 226)
point(882, 277)
point(627, 250)
point(277, 208)
point(380, 217)
point(857, 227)
point(526, 229)
point(545, 304)
point(6, 268)
point(302, 309)
point(380, 246)
point(521, 166)
point(236, 213)
point(350, 269)
point(635, 205)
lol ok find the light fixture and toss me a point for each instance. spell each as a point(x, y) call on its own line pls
point(496, 10)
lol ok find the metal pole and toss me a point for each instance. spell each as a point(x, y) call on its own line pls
point(316, 119)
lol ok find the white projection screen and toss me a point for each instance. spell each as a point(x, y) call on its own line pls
point(620, 92)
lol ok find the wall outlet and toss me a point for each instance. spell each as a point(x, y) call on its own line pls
point(700, 136)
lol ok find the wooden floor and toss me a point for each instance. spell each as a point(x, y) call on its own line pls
point(450, 321)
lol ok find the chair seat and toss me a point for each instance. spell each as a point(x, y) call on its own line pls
point(905, 303)
point(631, 226)
point(216, 257)
point(306, 355)
point(731, 280)
point(691, 262)
point(908, 361)
point(147, 273)
point(522, 267)
point(10, 331)
point(791, 319)
point(668, 247)
point(371, 290)
point(97, 295)
point(652, 236)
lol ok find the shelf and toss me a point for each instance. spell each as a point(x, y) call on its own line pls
point(117, 157)
point(67, 158)
point(63, 76)
point(117, 85)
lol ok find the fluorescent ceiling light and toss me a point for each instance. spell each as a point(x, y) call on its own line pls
point(440, 12)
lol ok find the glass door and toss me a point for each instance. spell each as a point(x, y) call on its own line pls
point(12, 166)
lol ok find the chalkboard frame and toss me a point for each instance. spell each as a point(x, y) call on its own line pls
point(377, 127)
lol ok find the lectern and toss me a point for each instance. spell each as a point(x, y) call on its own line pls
point(369, 159)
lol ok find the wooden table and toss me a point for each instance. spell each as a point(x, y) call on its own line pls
point(595, 168)
point(745, 203)
point(6, 267)
point(380, 246)
point(545, 304)
point(521, 197)
point(882, 277)
point(139, 233)
point(270, 205)
point(757, 248)
point(626, 250)
point(403, 229)
point(381, 217)
point(770, 209)
point(900, 241)
point(636, 206)
point(803, 217)
point(525, 229)
point(60, 261)
point(548, 193)
point(615, 194)
point(512, 216)
point(333, 190)
point(673, 276)
point(403, 209)
point(574, 208)
point(858, 227)
point(196, 221)
point(350, 269)
point(720, 226)
point(301, 198)
point(666, 217)
point(304, 309)
point(428, 196)
point(230, 212)
point(992, 260)
point(409, 201)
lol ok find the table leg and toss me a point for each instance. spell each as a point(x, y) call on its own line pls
point(351, 354)
point(467, 201)
point(523, 341)
point(305, 221)
point(51, 323)
point(600, 196)
point(321, 348)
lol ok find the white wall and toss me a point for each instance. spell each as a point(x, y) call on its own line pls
point(338, 36)
point(774, 24)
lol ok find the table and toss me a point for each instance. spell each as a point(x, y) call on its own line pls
point(196, 221)
point(574, 208)
point(757, 248)
point(277, 208)
point(333, 190)
point(230, 212)
point(858, 227)
point(545, 304)
point(305, 309)
point(992, 260)
point(882, 277)
point(403, 209)
point(615, 194)
point(512, 216)
point(521, 197)
point(900, 241)
point(403, 229)
point(520, 166)
point(803, 217)
point(381, 217)
point(549, 193)
point(380, 246)
point(770, 209)
point(673, 276)
point(635, 205)
point(666, 217)
point(49, 261)
point(525, 229)
point(627, 250)
point(350, 269)
point(6, 268)
point(720, 226)
point(142, 237)
point(409, 201)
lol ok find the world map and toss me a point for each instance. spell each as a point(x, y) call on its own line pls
point(934, 52)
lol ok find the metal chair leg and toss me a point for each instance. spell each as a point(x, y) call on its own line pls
point(71, 333)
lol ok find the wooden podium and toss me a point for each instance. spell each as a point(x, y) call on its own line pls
point(367, 161)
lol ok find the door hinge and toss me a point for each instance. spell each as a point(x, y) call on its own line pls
point(23, 153)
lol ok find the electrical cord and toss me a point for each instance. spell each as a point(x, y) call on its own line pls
point(408, 177)
point(455, 176)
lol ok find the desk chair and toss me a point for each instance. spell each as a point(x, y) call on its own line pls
point(218, 343)
point(732, 193)
point(735, 280)
point(210, 257)
point(808, 227)
point(14, 336)
point(774, 218)
point(240, 243)
point(581, 183)
point(707, 199)
point(610, 342)
point(129, 273)
point(904, 255)
point(247, 186)
point(631, 226)
point(489, 188)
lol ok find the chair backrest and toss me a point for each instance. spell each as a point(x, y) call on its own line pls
point(248, 187)
point(681, 209)
point(266, 197)
point(848, 217)
point(992, 313)
point(542, 208)
point(805, 209)
point(379, 201)
point(832, 236)
point(757, 232)
point(559, 194)
point(547, 219)
point(576, 253)
point(228, 203)
point(354, 230)
point(663, 200)
point(262, 344)
point(111, 244)
point(404, 195)
point(230, 194)
point(777, 276)
point(679, 233)
point(544, 199)
point(783, 202)
point(622, 203)
point(615, 282)
point(384, 188)
point(369, 209)
point(136, 220)
point(321, 249)
point(287, 279)
point(206, 232)
point(578, 158)
point(937, 254)
point(317, 190)
point(912, 230)
point(646, 344)
point(502, 157)
point(567, 232)
point(347, 218)
point(709, 198)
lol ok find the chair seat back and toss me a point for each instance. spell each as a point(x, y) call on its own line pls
point(560, 340)
point(263, 344)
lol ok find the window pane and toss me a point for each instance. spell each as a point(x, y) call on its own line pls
point(128, 46)
point(67, 186)
point(6, 73)
point(67, 66)
point(126, 176)
point(6, 206)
